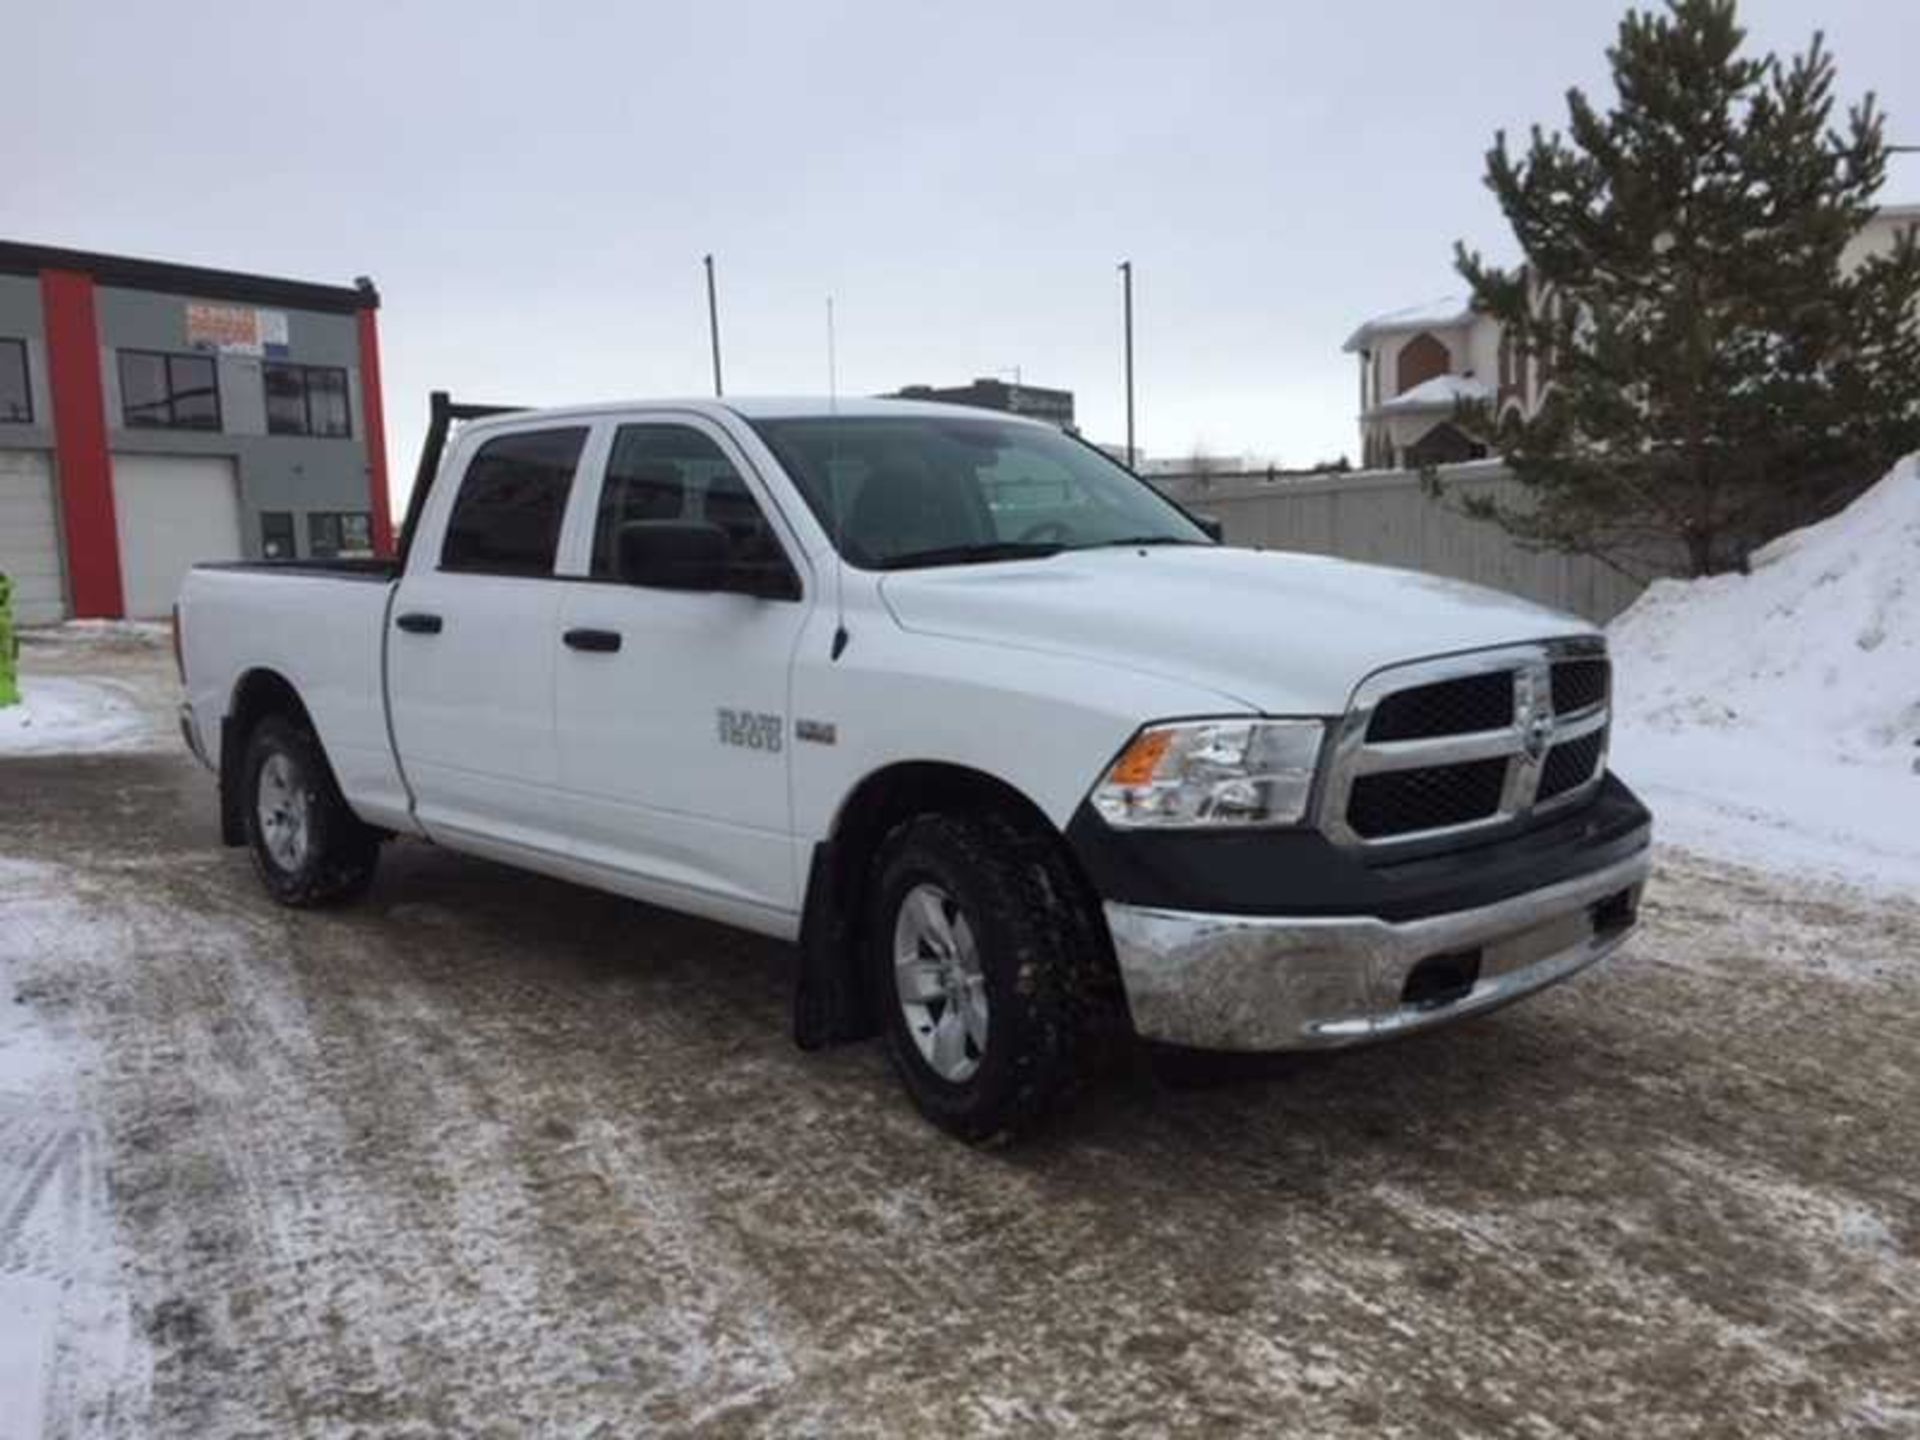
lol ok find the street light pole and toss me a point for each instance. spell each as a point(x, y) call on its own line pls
point(1126, 292)
point(713, 325)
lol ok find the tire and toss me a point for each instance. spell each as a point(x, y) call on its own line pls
point(971, 909)
point(308, 848)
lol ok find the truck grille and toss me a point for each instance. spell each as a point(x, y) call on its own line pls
point(1433, 797)
point(1447, 707)
point(1571, 765)
point(1579, 684)
point(1460, 744)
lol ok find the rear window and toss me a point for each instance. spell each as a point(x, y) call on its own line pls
point(506, 520)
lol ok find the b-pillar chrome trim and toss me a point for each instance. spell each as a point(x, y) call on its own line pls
point(1256, 982)
point(1530, 735)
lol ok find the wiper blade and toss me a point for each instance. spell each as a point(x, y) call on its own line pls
point(972, 554)
point(1139, 540)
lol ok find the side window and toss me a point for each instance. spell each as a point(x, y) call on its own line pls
point(276, 534)
point(673, 472)
point(168, 392)
point(306, 400)
point(506, 519)
point(333, 533)
point(16, 399)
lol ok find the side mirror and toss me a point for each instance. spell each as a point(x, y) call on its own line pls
point(1216, 531)
point(673, 554)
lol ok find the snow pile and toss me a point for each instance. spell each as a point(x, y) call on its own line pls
point(1774, 718)
point(57, 714)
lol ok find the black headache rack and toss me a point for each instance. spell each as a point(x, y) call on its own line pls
point(442, 411)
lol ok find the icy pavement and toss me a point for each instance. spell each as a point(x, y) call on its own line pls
point(491, 1154)
point(1774, 718)
point(70, 1360)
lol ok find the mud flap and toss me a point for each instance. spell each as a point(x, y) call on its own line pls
point(831, 1005)
point(233, 824)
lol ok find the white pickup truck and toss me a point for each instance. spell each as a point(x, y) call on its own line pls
point(1002, 737)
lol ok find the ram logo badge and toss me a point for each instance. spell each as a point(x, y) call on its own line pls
point(749, 729)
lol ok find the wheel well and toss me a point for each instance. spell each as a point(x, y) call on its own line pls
point(831, 1004)
point(258, 694)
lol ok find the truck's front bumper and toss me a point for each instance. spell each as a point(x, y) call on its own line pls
point(1262, 982)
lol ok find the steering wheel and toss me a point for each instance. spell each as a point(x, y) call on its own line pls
point(1044, 532)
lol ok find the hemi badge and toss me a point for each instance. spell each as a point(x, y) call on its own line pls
point(818, 731)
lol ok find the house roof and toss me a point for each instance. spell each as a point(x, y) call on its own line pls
point(1446, 311)
point(1442, 392)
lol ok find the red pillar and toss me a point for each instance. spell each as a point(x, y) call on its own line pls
point(80, 444)
point(376, 425)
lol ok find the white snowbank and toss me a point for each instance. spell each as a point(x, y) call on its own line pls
point(1774, 718)
point(58, 714)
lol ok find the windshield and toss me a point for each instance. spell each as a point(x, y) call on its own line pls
point(934, 490)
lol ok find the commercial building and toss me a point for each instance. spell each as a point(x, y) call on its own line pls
point(153, 415)
point(1053, 406)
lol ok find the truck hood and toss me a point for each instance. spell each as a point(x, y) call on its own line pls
point(1282, 633)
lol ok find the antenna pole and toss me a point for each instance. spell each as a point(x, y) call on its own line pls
point(713, 325)
point(1126, 301)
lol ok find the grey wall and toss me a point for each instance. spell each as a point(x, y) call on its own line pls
point(297, 473)
point(1390, 518)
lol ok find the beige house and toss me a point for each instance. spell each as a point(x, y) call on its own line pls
point(1416, 365)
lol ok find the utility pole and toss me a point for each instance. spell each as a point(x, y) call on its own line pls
point(1126, 292)
point(713, 326)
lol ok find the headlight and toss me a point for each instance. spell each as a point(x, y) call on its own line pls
point(1213, 772)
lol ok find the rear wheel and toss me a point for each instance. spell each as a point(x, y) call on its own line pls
point(307, 846)
point(985, 962)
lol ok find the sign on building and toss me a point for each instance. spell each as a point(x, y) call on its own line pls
point(236, 329)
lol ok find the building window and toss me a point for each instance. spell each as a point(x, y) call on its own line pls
point(332, 533)
point(168, 392)
point(506, 519)
point(1420, 360)
point(276, 534)
point(307, 400)
point(16, 398)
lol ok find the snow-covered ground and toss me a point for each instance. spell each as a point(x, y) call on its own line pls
point(56, 713)
point(91, 685)
point(71, 1359)
point(1774, 718)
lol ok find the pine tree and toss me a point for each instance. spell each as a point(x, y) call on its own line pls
point(1715, 378)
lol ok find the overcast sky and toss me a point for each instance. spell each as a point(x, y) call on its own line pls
point(533, 189)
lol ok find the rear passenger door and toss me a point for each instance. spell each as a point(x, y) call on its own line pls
point(472, 645)
point(674, 731)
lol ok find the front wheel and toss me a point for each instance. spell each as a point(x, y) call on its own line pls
point(308, 847)
point(984, 959)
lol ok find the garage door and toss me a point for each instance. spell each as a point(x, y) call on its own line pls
point(172, 510)
point(30, 537)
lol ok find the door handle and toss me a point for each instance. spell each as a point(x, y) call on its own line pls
point(603, 642)
point(418, 622)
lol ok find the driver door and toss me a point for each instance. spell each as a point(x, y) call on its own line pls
point(671, 705)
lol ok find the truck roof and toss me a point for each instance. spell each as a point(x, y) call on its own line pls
point(762, 407)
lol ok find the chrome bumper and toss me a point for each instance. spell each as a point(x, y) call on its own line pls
point(1256, 982)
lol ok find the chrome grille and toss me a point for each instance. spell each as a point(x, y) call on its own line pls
point(1452, 746)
